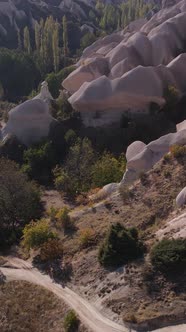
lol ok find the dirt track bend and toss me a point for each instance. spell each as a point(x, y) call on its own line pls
point(17, 269)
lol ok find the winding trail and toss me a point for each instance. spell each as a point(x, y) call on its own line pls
point(17, 269)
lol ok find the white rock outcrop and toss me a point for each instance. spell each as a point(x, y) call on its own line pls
point(29, 122)
point(44, 94)
point(126, 71)
point(180, 126)
point(181, 198)
point(141, 158)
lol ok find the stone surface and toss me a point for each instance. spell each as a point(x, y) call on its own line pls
point(106, 191)
point(128, 70)
point(143, 159)
point(29, 122)
point(133, 149)
point(44, 94)
point(181, 126)
point(181, 198)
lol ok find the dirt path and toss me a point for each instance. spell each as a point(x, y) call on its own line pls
point(17, 269)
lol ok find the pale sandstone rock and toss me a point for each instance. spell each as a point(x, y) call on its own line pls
point(106, 191)
point(89, 71)
point(44, 94)
point(139, 66)
point(181, 198)
point(151, 154)
point(29, 122)
point(181, 126)
point(120, 68)
point(122, 93)
point(134, 148)
point(178, 70)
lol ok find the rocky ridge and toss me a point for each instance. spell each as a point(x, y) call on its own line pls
point(113, 75)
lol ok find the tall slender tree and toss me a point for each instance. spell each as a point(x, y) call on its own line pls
point(19, 42)
point(26, 40)
point(65, 37)
point(55, 47)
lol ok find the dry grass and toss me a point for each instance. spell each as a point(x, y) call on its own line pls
point(25, 307)
point(147, 206)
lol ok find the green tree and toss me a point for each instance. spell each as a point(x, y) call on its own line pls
point(75, 175)
point(55, 47)
point(71, 322)
point(39, 160)
point(19, 41)
point(19, 201)
point(65, 37)
point(120, 246)
point(88, 39)
point(14, 65)
point(55, 80)
point(108, 169)
point(26, 40)
point(36, 233)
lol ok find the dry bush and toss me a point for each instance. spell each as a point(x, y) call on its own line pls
point(178, 151)
point(51, 250)
point(86, 237)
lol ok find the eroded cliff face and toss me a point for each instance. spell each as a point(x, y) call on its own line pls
point(126, 71)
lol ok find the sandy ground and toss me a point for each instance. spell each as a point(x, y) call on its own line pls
point(17, 269)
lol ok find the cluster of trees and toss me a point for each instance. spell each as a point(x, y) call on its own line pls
point(19, 202)
point(84, 169)
point(53, 43)
point(19, 74)
point(118, 17)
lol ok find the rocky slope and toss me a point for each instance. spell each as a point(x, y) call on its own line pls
point(124, 293)
point(125, 72)
point(16, 14)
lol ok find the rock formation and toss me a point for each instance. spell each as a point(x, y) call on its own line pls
point(30, 121)
point(141, 157)
point(181, 198)
point(126, 71)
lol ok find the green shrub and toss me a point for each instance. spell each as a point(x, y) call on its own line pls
point(63, 182)
point(169, 255)
point(37, 233)
point(108, 169)
point(55, 80)
point(39, 160)
point(71, 322)
point(75, 175)
point(120, 246)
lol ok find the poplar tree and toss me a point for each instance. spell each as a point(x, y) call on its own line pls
point(26, 40)
point(55, 47)
point(65, 37)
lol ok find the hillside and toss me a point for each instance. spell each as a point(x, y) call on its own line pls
point(92, 166)
point(148, 205)
point(15, 15)
point(26, 307)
